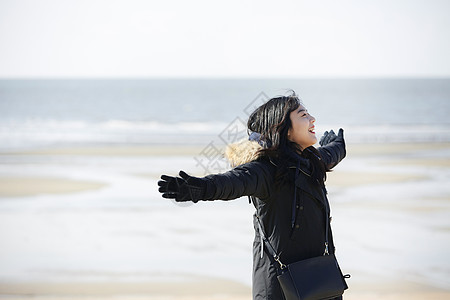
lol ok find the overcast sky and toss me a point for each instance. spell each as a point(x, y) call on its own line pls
point(232, 38)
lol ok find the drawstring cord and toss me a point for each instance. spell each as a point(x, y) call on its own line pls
point(294, 203)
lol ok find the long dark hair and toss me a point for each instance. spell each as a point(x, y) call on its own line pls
point(272, 121)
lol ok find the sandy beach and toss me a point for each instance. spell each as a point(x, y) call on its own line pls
point(32, 186)
point(204, 289)
point(88, 223)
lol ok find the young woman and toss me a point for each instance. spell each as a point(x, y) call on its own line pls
point(284, 175)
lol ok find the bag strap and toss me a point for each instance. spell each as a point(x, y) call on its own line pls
point(294, 203)
point(265, 241)
point(327, 221)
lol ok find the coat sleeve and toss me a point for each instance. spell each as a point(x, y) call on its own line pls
point(333, 153)
point(251, 179)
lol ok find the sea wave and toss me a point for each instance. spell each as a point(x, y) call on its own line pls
point(45, 133)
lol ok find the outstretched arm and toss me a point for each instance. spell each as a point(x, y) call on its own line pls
point(332, 148)
point(251, 179)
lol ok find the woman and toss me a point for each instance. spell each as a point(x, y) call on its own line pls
point(284, 175)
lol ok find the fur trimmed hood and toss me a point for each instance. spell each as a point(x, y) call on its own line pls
point(242, 152)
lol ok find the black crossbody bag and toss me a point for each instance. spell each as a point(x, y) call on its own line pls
point(317, 278)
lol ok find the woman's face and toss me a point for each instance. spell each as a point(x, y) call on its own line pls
point(302, 128)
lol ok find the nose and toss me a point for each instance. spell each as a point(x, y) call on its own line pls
point(312, 119)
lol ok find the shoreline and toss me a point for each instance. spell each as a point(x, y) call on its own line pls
point(353, 149)
point(113, 150)
point(391, 154)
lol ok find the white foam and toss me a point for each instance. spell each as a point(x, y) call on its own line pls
point(41, 133)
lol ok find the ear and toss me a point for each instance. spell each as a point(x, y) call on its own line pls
point(289, 134)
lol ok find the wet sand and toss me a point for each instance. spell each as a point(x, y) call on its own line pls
point(406, 157)
point(32, 186)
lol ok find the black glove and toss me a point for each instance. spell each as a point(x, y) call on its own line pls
point(186, 188)
point(329, 137)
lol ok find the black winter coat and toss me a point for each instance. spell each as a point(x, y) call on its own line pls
point(274, 205)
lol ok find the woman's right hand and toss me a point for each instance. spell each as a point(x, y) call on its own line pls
point(329, 137)
point(183, 188)
point(332, 149)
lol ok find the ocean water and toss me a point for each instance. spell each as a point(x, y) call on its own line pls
point(42, 113)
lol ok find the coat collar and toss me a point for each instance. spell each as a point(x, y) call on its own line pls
point(303, 180)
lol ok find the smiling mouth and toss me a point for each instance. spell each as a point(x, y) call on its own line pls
point(312, 130)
